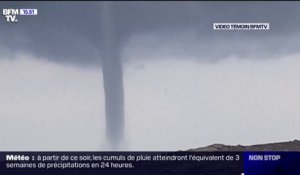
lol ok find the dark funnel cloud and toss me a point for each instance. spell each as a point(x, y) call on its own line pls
point(93, 34)
point(112, 76)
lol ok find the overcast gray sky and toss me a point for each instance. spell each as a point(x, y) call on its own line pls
point(186, 85)
point(69, 31)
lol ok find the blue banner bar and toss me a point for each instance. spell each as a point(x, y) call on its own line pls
point(123, 163)
point(150, 163)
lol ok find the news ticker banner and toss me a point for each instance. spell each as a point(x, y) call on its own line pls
point(146, 163)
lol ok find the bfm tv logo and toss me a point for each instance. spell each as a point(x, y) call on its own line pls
point(11, 14)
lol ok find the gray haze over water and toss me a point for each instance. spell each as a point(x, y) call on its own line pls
point(181, 77)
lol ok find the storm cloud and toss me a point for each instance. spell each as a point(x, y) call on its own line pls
point(69, 32)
